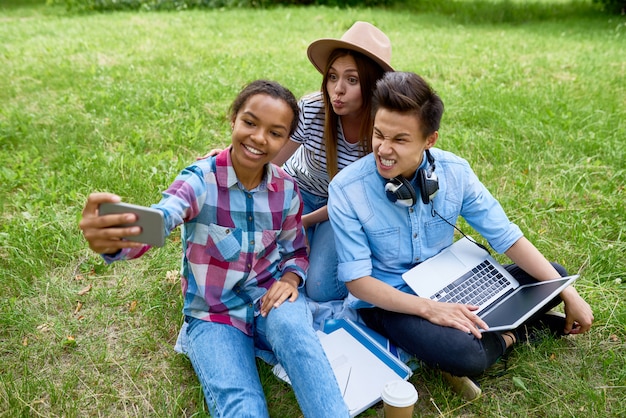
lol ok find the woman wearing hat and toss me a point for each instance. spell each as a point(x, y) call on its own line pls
point(334, 130)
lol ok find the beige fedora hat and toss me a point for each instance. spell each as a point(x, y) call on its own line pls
point(362, 37)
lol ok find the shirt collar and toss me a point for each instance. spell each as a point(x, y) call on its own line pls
point(226, 176)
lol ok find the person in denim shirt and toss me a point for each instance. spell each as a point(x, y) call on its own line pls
point(244, 262)
point(377, 240)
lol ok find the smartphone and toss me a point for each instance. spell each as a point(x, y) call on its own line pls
point(150, 220)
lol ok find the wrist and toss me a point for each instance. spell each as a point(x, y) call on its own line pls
point(291, 278)
point(569, 293)
point(422, 307)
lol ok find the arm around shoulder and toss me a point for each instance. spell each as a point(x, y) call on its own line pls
point(285, 152)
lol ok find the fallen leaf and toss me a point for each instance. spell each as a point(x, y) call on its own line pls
point(43, 328)
point(79, 306)
point(172, 276)
point(614, 338)
point(78, 277)
point(70, 341)
point(552, 357)
point(84, 290)
point(25, 341)
point(133, 306)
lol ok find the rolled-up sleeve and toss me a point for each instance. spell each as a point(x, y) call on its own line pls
point(485, 214)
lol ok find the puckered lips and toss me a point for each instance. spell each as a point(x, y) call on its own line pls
point(338, 104)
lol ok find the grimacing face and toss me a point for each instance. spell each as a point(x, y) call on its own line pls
point(398, 143)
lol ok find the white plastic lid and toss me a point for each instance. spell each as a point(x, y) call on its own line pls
point(399, 393)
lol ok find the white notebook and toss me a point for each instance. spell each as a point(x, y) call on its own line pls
point(361, 365)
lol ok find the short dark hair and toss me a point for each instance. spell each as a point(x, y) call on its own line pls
point(407, 92)
point(269, 88)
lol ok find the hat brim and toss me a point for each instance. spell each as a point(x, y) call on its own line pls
point(319, 51)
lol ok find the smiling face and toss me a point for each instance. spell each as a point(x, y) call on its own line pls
point(260, 129)
point(343, 86)
point(398, 143)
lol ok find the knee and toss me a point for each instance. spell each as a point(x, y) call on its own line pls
point(288, 318)
point(560, 269)
point(313, 287)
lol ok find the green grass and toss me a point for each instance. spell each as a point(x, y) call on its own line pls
point(535, 96)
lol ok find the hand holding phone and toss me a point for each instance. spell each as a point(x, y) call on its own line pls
point(150, 220)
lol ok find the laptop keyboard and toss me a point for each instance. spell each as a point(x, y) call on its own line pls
point(475, 287)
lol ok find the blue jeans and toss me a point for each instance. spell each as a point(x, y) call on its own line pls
point(322, 283)
point(446, 348)
point(224, 360)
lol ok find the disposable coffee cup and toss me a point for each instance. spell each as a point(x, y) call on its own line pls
point(399, 397)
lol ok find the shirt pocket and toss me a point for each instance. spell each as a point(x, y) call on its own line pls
point(439, 233)
point(385, 244)
point(224, 243)
point(267, 244)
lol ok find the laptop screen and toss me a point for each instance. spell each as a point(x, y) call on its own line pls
point(523, 303)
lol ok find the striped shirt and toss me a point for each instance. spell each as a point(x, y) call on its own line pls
point(308, 164)
point(236, 243)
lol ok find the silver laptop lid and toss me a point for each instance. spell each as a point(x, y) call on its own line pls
point(427, 278)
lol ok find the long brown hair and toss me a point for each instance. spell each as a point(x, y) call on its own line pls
point(369, 73)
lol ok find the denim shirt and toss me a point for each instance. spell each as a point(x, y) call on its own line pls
point(378, 238)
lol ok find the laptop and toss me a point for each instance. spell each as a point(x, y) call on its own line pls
point(466, 273)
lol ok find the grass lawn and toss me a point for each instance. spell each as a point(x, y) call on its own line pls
point(535, 96)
